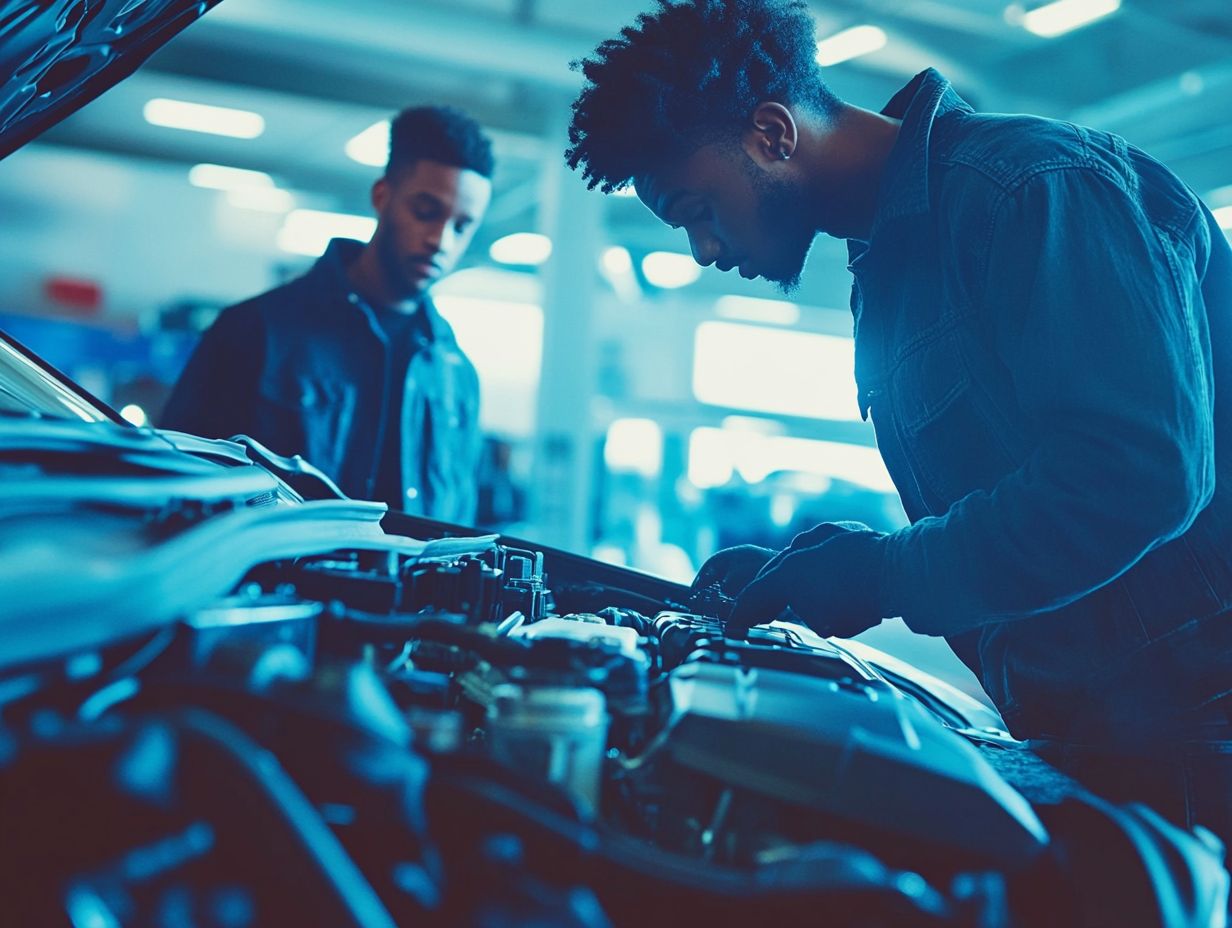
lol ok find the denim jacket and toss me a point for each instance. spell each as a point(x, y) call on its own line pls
point(1043, 325)
point(305, 369)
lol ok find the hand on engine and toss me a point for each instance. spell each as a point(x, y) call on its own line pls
point(732, 568)
point(833, 585)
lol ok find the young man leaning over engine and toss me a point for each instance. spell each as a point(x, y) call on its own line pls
point(1042, 326)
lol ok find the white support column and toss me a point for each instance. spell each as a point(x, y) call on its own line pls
point(571, 215)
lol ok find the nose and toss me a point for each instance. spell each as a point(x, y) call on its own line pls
point(705, 248)
point(440, 238)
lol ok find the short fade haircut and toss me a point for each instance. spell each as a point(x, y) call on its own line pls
point(438, 133)
point(686, 75)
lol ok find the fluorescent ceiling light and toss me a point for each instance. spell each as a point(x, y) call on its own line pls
point(220, 177)
point(261, 199)
point(521, 248)
point(850, 43)
point(1223, 216)
point(617, 260)
point(616, 266)
point(670, 270)
point(749, 309)
point(308, 231)
point(198, 117)
point(371, 147)
point(1062, 16)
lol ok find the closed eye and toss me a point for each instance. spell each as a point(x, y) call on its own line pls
point(698, 213)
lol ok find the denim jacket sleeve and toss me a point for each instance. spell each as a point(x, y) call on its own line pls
point(214, 395)
point(1096, 311)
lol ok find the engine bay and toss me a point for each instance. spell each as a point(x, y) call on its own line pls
point(482, 733)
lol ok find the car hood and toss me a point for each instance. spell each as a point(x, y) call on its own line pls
point(57, 56)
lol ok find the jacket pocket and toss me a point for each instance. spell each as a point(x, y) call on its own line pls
point(948, 426)
point(310, 417)
point(1169, 588)
point(1053, 667)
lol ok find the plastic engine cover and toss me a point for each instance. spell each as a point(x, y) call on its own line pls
point(853, 749)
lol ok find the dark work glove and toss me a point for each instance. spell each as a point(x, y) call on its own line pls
point(810, 539)
point(732, 568)
point(834, 586)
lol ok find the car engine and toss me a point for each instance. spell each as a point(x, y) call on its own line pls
point(475, 732)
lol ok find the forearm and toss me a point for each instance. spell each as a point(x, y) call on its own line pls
point(1061, 526)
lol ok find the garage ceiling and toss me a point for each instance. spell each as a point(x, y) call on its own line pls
point(320, 71)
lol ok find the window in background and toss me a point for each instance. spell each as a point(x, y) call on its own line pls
point(711, 457)
point(309, 231)
point(504, 340)
point(776, 371)
point(716, 455)
point(634, 446)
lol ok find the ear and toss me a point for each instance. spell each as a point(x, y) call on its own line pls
point(773, 135)
point(381, 192)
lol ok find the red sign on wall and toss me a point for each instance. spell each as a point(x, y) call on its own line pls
point(80, 297)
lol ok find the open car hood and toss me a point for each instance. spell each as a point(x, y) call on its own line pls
point(58, 55)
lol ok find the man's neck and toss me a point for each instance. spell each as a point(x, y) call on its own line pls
point(852, 159)
point(370, 281)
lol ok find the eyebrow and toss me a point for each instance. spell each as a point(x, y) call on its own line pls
point(431, 198)
point(440, 204)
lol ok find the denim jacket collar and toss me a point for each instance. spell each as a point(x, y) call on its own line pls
point(904, 187)
point(329, 277)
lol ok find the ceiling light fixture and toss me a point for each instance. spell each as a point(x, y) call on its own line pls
point(221, 177)
point(524, 248)
point(617, 260)
point(371, 147)
point(1062, 16)
point(198, 117)
point(262, 199)
point(850, 43)
point(669, 270)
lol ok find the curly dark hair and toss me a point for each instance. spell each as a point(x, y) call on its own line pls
point(688, 74)
point(438, 133)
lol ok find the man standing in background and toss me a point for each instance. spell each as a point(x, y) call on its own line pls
point(351, 365)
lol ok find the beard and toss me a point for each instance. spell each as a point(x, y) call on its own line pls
point(780, 208)
point(401, 284)
point(780, 211)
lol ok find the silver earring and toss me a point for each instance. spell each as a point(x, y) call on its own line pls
point(783, 155)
